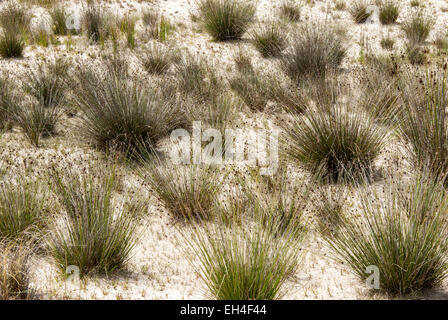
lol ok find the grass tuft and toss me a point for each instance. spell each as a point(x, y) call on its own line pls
point(315, 51)
point(90, 234)
point(226, 19)
point(402, 232)
point(269, 40)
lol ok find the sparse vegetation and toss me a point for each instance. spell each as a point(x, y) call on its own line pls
point(359, 11)
point(290, 10)
point(389, 12)
point(402, 234)
point(418, 27)
point(424, 124)
point(244, 262)
point(187, 191)
point(91, 234)
point(122, 114)
point(314, 52)
point(269, 40)
point(333, 142)
point(14, 271)
point(21, 209)
point(14, 21)
point(158, 58)
point(226, 19)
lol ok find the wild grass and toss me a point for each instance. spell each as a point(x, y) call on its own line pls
point(127, 26)
point(188, 192)
point(121, 114)
point(196, 77)
point(59, 17)
point(381, 96)
point(158, 59)
point(257, 89)
point(7, 101)
point(415, 53)
point(402, 231)
point(35, 120)
point(418, 27)
point(359, 11)
point(218, 113)
point(11, 46)
point(22, 206)
point(14, 21)
point(14, 271)
point(269, 40)
point(389, 11)
point(91, 234)
point(290, 10)
point(253, 88)
point(95, 21)
point(387, 43)
point(157, 26)
point(226, 19)
point(334, 142)
point(314, 52)
point(48, 84)
point(424, 123)
point(280, 202)
point(244, 262)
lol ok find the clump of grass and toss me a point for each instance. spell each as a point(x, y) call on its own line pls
point(121, 114)
point(217, 113)
point(47, 84)
point(21, 209)
point(333, 142)
point(90, 234)
point(416, 3)
point(424, 122)
point(59, 17)
point(196, 77)
point(269, 40)
point(359, 11)
point(187, 191)
point(14, 17)
point(315, 51)
point(243, 62)
point(158, 58)
point(402, 232)
point(11, 46)
point(14, 271)
point(226, 19)
point(381, 96)
point(387, 43)
point(253, 89)
point(388, 12)
point(244, 262)
point(290, 10)
point(281, 203)
point(418, 27)
point(95, 21)
point(330, 209)
point(415, 53)
point(442, 42)
point(256, 89)
point(127, 26)
point(340, 5)
point(35, 120)
point(14, 20)
point(7, 101)
point(157, 26)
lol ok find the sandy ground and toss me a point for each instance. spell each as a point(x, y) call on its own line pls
point(158, 269)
